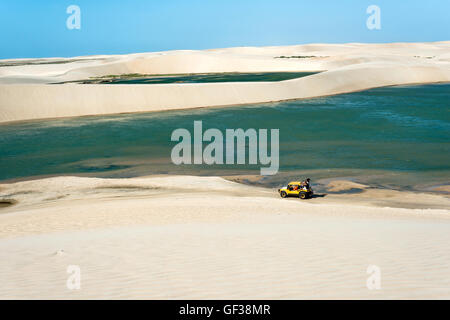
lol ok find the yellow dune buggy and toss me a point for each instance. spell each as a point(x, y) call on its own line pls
point(296, 189)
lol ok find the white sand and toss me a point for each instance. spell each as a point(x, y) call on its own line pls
point(192, 237)
point(205, 237)
point(26, 94)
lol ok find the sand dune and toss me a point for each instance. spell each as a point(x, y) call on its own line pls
point(26, 94)
point(205, 237)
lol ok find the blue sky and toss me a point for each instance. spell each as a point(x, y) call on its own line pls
point(38, 28)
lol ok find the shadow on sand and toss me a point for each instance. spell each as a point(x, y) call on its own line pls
point(320, 195)
point(7, 203)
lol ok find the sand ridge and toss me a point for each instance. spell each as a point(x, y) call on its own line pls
point(78, 203)
point(25, 92)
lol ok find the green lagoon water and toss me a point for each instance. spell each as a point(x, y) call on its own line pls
point(396, 137)
point(199, 78)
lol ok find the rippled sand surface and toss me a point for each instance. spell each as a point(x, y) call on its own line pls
point(213, 239)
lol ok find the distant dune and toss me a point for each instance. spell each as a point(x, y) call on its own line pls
point(26, 92)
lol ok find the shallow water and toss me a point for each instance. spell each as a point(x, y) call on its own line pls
point(392, 137)
point(200, 78)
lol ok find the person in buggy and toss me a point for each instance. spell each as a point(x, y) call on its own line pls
point(306, 184)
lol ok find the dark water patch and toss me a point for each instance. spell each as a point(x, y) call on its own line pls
point(194, 78)
point(102, 168)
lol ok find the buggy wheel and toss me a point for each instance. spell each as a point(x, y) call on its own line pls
point(283, 194)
